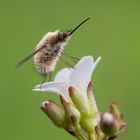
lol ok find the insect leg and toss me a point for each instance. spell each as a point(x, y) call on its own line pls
point(74, 59)
point(66, 63)
point(50, 76)
point(44, 79)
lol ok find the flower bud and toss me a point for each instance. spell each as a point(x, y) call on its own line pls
point(115, 111)
point(73, 115)
point(63, 101)
point(81, 104)
point(55, 113)
point(119, 116)
point(109, 124)
point(92, 103)
point(88, 124)
point(87, 121)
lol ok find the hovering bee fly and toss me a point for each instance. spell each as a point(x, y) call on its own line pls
point(49, 50)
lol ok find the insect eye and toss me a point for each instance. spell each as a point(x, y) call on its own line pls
point(61, 35)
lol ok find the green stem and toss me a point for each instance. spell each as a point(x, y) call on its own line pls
point(79, 138)
point(92, 136)
point(81, 135)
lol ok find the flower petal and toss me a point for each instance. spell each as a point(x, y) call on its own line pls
point(96, 62)
point(63, 75)
point(60, 88)
point(82, 73)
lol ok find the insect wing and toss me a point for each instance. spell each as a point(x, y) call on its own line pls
point(30, 56)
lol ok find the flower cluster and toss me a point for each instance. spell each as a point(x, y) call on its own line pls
point(78, 113)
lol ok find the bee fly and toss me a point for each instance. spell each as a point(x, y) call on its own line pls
point(49, 50)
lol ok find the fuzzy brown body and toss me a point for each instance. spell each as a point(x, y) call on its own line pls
point(49, 50)
point(45, 60)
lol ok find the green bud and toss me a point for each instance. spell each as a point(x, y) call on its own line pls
point(87, 121)
point(81, 104)
point(55, 113)
point(63, 101)
point(88, 124)
point(109, 124)
point(92, 103)
point(73, 115)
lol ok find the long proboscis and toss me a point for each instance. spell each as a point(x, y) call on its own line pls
point(78, 26)
point(28, 57)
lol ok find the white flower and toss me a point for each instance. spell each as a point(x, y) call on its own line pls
point(77, 77)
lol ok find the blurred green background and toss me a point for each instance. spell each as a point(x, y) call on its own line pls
point(113, 33)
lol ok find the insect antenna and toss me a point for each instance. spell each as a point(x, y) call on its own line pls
point(78, 26)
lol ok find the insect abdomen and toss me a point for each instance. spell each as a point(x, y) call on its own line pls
point(46, 60)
